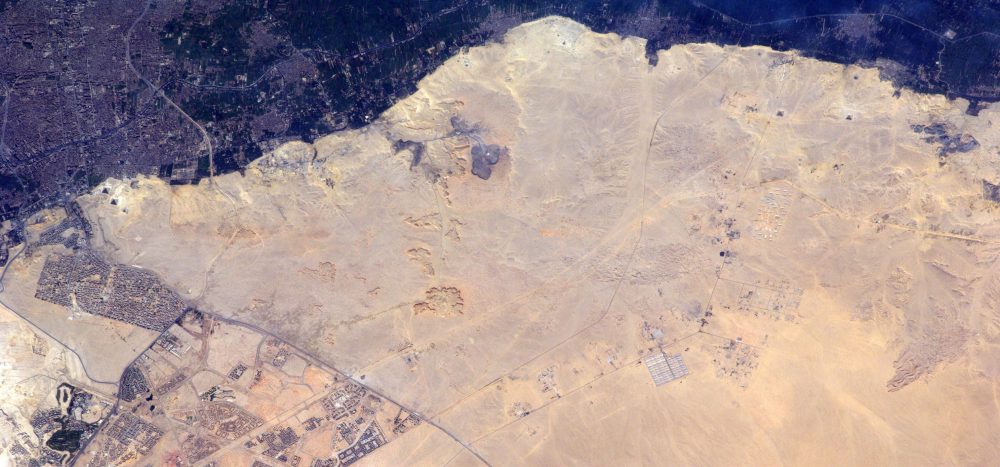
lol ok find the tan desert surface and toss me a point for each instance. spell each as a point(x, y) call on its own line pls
point(489, 272)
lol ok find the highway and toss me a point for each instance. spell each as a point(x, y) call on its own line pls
point(38, 328)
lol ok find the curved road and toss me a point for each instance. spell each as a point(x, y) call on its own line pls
point(39, 328)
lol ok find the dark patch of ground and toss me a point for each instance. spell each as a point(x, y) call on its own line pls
point(254, 74)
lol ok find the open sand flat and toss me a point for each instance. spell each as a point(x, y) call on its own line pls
point(100, 346)
point(35, 366)
point(500, 251)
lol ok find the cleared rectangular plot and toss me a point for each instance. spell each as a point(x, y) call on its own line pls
point(664, 369)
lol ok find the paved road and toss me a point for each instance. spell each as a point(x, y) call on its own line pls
point(41, 329)
point(159, 91)
point(320, 363)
